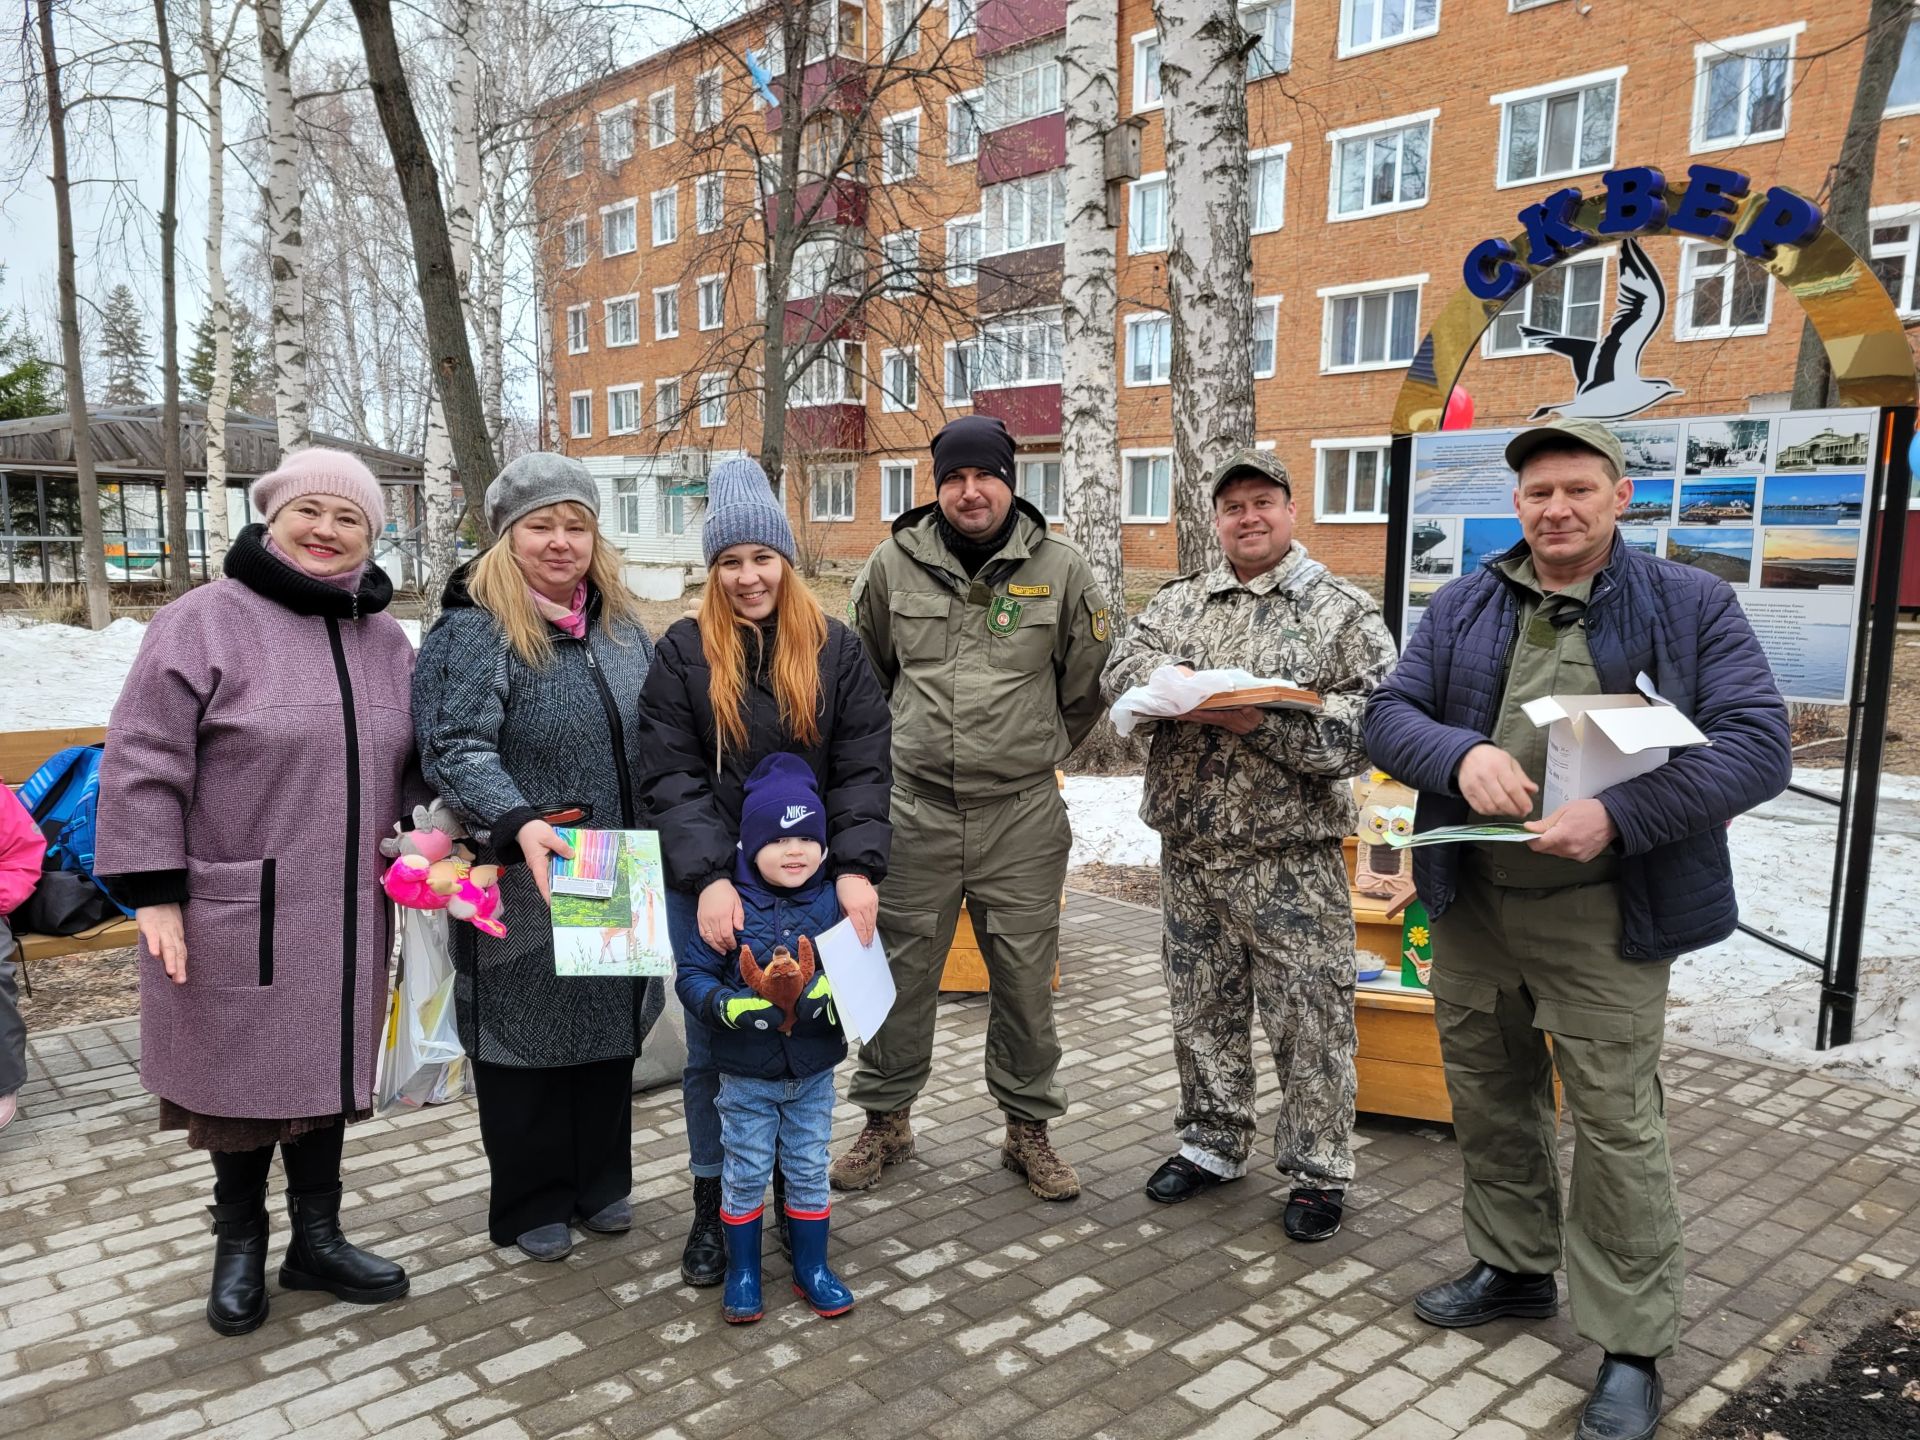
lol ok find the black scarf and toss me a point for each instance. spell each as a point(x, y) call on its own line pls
point(973, 554)
point(261, 571)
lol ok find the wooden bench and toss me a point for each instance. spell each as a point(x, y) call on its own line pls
point(21, 753)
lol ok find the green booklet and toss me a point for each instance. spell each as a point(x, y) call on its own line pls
point(610, 905)
point(1456, 834)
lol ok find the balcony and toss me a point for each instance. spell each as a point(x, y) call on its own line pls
point(842, 201)
point(838, 82)
point(1028, 147)
point(820, 429)
point(1003, 24)
point(1021, 280)
point(823, 317)
point(1031, 413)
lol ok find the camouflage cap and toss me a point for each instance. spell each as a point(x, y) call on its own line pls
point(1263, 464)
point(1589, 433)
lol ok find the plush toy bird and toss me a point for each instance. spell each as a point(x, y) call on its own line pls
point(782, 981)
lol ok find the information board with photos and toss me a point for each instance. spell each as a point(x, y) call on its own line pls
point(1772, 504)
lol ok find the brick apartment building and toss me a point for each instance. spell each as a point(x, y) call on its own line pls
point(1386, 137)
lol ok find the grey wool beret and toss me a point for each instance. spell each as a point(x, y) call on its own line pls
point(742, 510)
point(534, 480)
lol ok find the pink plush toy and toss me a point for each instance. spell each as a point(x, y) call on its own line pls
point(476, 900)
point(432, 871)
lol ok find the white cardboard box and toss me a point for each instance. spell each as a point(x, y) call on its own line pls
point(1599, 740)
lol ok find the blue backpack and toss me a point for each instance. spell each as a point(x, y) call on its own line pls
point(62, 796)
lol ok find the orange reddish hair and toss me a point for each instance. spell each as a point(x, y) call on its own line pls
point(800, 635)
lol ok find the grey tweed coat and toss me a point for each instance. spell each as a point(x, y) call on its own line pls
point(502, 742)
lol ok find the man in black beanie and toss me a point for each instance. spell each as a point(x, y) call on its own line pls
point(989, 634)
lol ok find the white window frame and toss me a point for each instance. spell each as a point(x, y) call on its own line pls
point(1884, 217)
point(969, 274)
point(1146, 82)
point(631, 208)
point(1136, 325)
point(1406, 37)
point(607, 306)
point(1127, 457)
point(1001, 78)
point(1508, 99)
point(613, 391)
point(907, 361)
point(1515, 7)
point(1025, 322)
point(890, 151)
point(671, 194)
point(710, 396)
point(573, 151)
point(899, 281)
point(661, 134)
point(677, 512)
point(1704, 56)
point(760, 290)
point(1057, 515)
point(711, 187)
point(972, 349)
point(825, 482)
point(1383, 444)
point(966, 103)
point(1051, 189)
point(962, 16)
point(709, 98)
point(1910, 42)
point(1267, 8)
point(616, 114)
point(1263, 156)
point(1689, 276)
point(666, 402)
point(574, 397)
point(891, 473)
point(1328, 294)
point(853, 388)
point(1272, 303)
point(715, 286)
point(573, 258)
point(626, 504)
point(1372, 130)
point(579, 337)
point(1491, 351)
point(1137, 243)
point(906, 41)
point(666, 318)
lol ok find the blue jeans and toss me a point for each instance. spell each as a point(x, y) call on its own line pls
point(699, 1082)
point(752, 1114)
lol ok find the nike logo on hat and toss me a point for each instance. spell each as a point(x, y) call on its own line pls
point(795, 814)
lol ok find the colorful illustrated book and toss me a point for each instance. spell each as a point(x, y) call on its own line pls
point(622, 931)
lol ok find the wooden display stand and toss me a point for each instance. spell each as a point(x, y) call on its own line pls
point(966, 968)
point(1399, 1056)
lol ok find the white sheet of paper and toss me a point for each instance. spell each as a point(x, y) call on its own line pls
point(863, 990)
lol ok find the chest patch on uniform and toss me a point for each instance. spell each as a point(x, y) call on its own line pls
point(1003, 615)
point(1030, 590)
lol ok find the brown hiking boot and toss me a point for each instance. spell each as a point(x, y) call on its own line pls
point(1028, 1152)
point(887, 1140)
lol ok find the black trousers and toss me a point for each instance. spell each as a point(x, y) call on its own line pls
point(559, 1142)
point(312, 1164)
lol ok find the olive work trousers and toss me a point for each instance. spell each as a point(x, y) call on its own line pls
point(1510, 968)
point(1008, 859)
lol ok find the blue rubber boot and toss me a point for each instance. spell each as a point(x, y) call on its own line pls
point(740, 1302)
point(812, 1280)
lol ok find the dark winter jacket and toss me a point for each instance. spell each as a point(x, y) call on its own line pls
point(705, 980)
point(1686, 631)
point(502, 743)
point(698, 811)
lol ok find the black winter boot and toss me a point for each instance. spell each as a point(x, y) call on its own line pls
point(237, 1300)
point(704, 1262)
point(320, 1258)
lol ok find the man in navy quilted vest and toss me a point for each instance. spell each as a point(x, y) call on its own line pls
point(1571, 935)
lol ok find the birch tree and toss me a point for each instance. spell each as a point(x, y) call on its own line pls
point(219, 323)
point(179, 543)
point(285, 244)
point(1203, 83)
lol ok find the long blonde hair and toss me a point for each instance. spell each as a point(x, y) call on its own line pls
point(800, 635)
point(499, 586)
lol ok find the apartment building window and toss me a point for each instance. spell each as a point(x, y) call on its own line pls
point(1369, 24)
point(580, 413)
point(577, 329)
point(573, 151)
point(1267, 188)
point(1020, 350)
point(962, 16)
point(1039, 486)
point(900, 25)
point(677, 512)
point(666, 215)
point(963, 126)
point(1565, 300)
point(1266, 337)
point(1147, 213)
point(1904, 97)
point(1273, 24)
point(623, 320)
point(830, 497)
point(626, 504)
point(900, 261)
point(1722, 294)
point(573, 239)
point(1373, 326)
point(618, 224)
point(760, 289)
point(1146, 71)
point(1560, 129)
point(900, 147)
point(962, 357)
point(666, 312)
point(623, 409)
point(1893, 253)
point(827, 263)
point(1149, 349)
point(666, 403)
point(706, 99)
point(766, 172)
point(1351, 480)
point(709, 202)
point(830, 375)
point(1149, 493)
point(616, 135)
point(1023, 83)
point(711, 392)
point(660, 119)
point(1023, 213)
point(1740, 88)
point(896, 489)
point(1380, 167)
point(712, 293)
point(900, 380)
point(963, 250)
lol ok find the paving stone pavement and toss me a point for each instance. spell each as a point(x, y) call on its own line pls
point(982, 1311)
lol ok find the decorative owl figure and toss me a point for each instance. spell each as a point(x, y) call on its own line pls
point(1386, 808)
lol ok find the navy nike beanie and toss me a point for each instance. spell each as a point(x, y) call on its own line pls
point(781, 800)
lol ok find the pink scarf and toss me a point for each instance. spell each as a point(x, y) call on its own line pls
point(345, 580)
point(569, 620)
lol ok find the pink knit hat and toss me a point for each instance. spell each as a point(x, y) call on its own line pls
point(318, 471)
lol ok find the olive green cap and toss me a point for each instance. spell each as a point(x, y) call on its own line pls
point(1589, 433)
point(1263, 464)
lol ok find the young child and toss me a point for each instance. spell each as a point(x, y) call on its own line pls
point(773, 1086)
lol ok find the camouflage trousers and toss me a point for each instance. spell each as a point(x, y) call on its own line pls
point(1276, 934)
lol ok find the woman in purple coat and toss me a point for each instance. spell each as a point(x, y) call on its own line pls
point(260, 749)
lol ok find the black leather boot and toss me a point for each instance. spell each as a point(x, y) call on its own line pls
point(237, 1301)
point(1486, 1292)
point(704, 1262)
point(780, 1210)
point(321, 1258)
point(1625, 1404)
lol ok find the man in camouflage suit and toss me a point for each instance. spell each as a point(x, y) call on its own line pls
point(1251, 806)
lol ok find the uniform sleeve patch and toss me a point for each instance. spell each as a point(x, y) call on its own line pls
point(1101, 625)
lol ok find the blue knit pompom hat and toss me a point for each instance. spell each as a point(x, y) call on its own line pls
point(742, 510)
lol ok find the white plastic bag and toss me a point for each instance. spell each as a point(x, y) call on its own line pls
point(1173, 691)
point(421, 1062)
